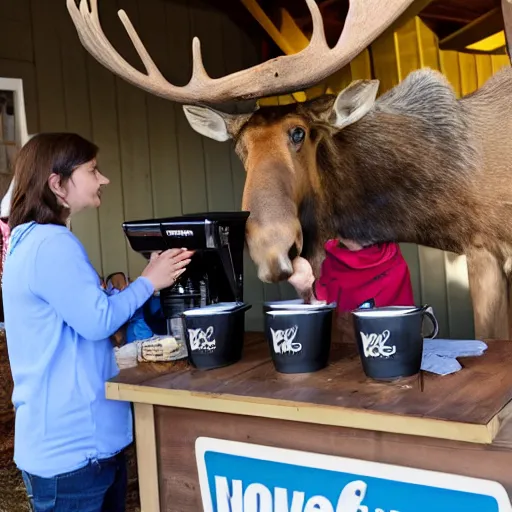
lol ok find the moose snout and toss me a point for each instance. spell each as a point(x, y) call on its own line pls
point(276, 269)
point(273, 247)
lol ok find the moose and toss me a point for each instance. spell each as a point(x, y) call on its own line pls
point(414, 165)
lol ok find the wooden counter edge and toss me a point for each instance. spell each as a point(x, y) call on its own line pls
point(306, 413)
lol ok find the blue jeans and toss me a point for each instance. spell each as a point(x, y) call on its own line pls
point(98, 487)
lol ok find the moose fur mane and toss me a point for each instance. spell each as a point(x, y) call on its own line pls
point(382, 176)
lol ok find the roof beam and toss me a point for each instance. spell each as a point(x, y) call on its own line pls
point(487, 25)
point(260, 16)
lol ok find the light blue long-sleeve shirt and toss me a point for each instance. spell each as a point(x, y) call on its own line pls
point(58, 321)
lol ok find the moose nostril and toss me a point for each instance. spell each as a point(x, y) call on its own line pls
point(280, 274)
point(293, 252)
point(280, 269)
point(283, 276)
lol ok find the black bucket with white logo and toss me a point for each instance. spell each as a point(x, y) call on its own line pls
point(390, 339)
point(299, 338)
point(215, 336)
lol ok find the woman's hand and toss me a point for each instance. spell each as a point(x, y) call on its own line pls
point(164, 268)
point(302, 278)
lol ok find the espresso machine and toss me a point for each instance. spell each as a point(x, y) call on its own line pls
point(215, 272)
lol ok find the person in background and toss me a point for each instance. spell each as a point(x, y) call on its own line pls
point(136, 328)
point(352, 275)
point(69, 439)
point(4, 241)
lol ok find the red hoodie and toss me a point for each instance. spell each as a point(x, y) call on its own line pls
point(377, 272)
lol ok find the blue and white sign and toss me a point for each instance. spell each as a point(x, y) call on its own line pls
point(243, 477)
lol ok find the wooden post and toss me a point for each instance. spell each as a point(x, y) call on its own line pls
point(147, 463)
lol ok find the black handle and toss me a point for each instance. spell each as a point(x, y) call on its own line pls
point(429, 312)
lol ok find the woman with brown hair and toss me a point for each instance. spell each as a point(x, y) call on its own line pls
point(69, 439)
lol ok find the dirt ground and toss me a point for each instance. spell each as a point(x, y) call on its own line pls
point(12, 491)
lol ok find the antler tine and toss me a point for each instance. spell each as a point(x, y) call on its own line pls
point(318, 35)
point(199, 73)
point(366, 20)
point(94, 44)
point(146, 59)
point(94, 40)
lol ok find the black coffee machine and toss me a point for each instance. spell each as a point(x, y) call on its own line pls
point(215, 273)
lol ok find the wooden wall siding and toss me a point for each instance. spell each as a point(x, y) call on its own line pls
point(157, 165)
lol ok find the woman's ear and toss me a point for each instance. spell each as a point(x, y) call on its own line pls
point(55, 184)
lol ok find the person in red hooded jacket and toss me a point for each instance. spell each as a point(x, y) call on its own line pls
point(352, 275)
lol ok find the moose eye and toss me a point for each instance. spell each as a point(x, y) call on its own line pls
point(297, 135)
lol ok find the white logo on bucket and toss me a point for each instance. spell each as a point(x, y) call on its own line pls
point(283, 340)
point(374, 345)
point(201, 340)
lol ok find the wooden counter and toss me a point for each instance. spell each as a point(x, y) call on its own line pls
point(453, 424)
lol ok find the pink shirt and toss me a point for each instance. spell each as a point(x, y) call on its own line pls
point(377, 272)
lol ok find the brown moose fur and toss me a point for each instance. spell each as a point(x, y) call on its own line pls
point(421, 166)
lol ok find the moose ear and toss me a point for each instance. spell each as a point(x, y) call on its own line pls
point(354, 102)
point(207, 122)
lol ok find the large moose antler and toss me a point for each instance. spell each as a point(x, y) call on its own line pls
point(365, 21)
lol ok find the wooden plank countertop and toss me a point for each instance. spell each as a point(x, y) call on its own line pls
point(469, 405)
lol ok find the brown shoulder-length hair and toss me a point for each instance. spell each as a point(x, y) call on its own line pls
point(44, 154)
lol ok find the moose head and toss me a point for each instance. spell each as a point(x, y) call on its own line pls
point(356, 167)
point(282, 149)
point(414, 165)
point(350, 166)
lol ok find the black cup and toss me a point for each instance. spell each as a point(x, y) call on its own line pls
point(215, 340)
point(299, 340)
point(390, 340)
